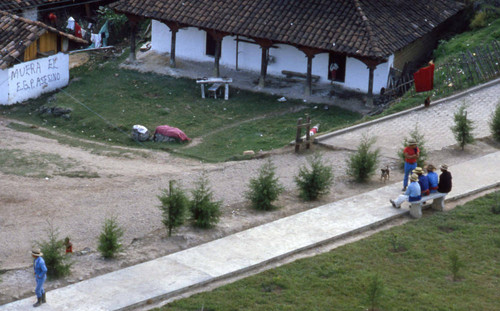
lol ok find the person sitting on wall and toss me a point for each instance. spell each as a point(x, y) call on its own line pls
point(423, 181)
point(433, 178)
point(412, 193)
point(444, 185)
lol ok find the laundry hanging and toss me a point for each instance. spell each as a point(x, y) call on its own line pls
point(424, 79)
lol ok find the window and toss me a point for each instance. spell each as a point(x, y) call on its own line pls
point(336, 67)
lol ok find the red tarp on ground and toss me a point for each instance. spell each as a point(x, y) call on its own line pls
point(424, 79)
point(169, 131)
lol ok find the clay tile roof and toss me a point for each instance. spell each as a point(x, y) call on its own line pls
point(17, 33)
point(12, 5)
point(365, 28)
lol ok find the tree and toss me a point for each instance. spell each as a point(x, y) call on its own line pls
point(420, 139)
point(204, 211)
point(109, 240)
point(174, 205)
point(495, 123)
point(463, 127)
point(315, 181)
point(265, 188)
point(362, 164)
point(375, 291)
point(53, 249)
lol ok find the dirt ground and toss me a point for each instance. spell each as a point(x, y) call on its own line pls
point(127, 187)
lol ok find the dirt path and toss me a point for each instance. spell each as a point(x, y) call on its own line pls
point(127, 187)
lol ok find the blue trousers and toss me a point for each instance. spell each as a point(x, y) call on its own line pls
point(39, 286)
point(408, 168)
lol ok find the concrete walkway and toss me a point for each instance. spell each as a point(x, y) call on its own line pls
point(228, 256)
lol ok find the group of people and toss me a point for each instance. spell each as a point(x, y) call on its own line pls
point(421, 184)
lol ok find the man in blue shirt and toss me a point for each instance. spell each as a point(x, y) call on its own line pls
point(40, 276)
point(412, 193)
point(433, 178)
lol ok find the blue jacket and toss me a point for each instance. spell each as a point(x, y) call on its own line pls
point(433, 181)
point(40, 267)
point(413, 192)
point(424, 183)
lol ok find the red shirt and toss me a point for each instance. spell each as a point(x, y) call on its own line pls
point(411, 151)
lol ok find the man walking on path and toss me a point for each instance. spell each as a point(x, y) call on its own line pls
point(411, 154)
point(40, 276)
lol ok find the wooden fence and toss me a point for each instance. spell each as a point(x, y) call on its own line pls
point(470, 68)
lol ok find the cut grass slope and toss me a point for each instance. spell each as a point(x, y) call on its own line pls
point(412, 261)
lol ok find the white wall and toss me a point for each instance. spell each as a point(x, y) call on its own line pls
point(31, 14)
point(31, 79)
point(191, 43)
point(4, 87)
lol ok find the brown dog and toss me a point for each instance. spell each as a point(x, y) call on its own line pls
point(385, 173)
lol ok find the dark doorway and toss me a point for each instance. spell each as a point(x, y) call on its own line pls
point(210, 48)
point(336, 67)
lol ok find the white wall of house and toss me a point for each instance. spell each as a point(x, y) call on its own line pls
point(4, 87)
point(31, 14)
point(191, 45)
point(31, 79)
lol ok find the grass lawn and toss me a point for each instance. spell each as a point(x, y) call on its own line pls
point(412, 261)
point(107, 101)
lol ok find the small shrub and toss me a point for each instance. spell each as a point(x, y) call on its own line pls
point(463, 127)
point(315, 181)
point(174, 205)
point(362, 164)
point(455, 265)
point(53, 249)
point(396, 243)
point(265, 189)
point(205, 212)
point(375, 291)
point(420, 139)
point(480, 20)
point(109, 240)
point(495, 124)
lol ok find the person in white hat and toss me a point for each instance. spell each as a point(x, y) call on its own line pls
point(40, 276)
point(412, 193)
point(444, 185)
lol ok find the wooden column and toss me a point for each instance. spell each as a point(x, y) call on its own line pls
point(264, 45)
point(218, 36)
point(371, 64)
point(174, 28)
point(310, 53)
point(133, 21)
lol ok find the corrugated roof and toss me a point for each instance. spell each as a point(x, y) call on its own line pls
point(17, 33)
point(364, 28)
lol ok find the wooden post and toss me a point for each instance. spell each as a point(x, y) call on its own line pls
point(297, 137)
point(308, 89)
point(218, 46)
point(308, 129)
point(263, 67)
point(133, 21)
point(172, 47)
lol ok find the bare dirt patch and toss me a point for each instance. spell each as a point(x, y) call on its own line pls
point(127, 187)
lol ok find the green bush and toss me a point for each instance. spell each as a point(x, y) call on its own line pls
point(109, 240)
point(495, 124)
point(174, 204)
point(419, 138)
point(204, 211)
point(362, 164)
point(479, 20)
point(315, 181)
point(455, 265)
point(53, 249)
point(375, 291)
point(463, 127)
point(265, 188)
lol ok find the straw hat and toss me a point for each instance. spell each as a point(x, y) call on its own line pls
point(444, 167)
point(412, 142)
point(418, 170)
point(36, 252)
point(431, 168)
point(414, 177)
